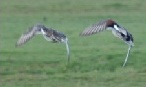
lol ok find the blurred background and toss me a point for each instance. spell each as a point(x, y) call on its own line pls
point(95, 60)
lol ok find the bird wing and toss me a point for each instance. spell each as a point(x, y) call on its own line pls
point(123, 30)
point(27, 35)
point(95, 28)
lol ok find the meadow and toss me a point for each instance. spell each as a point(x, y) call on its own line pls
point(96, 61)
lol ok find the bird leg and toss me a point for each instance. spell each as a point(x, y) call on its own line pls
point(127, 55)
point(68, 50)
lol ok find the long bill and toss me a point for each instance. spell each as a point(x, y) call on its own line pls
point(127, 55)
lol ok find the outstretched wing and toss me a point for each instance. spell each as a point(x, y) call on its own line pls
point(28, 35)
point(95, 28)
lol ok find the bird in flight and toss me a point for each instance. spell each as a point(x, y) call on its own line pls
point(116, 29)
point(48, 33)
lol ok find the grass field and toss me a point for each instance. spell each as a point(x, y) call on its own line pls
point(96, 61)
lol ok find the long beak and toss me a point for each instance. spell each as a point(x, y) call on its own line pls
point(67, 49)
point(127, 55)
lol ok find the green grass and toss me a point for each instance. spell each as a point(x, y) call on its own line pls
point(96, 61)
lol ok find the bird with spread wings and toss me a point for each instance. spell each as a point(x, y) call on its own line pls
point(116, 29)
point(48, 33)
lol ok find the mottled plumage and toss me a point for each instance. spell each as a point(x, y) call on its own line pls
point(48, 33)
point(117, 30)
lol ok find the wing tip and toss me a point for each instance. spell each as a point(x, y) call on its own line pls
point(81, 34)
point(17, 44)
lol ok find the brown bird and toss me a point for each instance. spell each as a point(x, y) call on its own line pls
point(117, 30)
point(48, 33)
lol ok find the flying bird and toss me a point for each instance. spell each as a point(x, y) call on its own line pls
point(48, 33)
point(116, 29)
